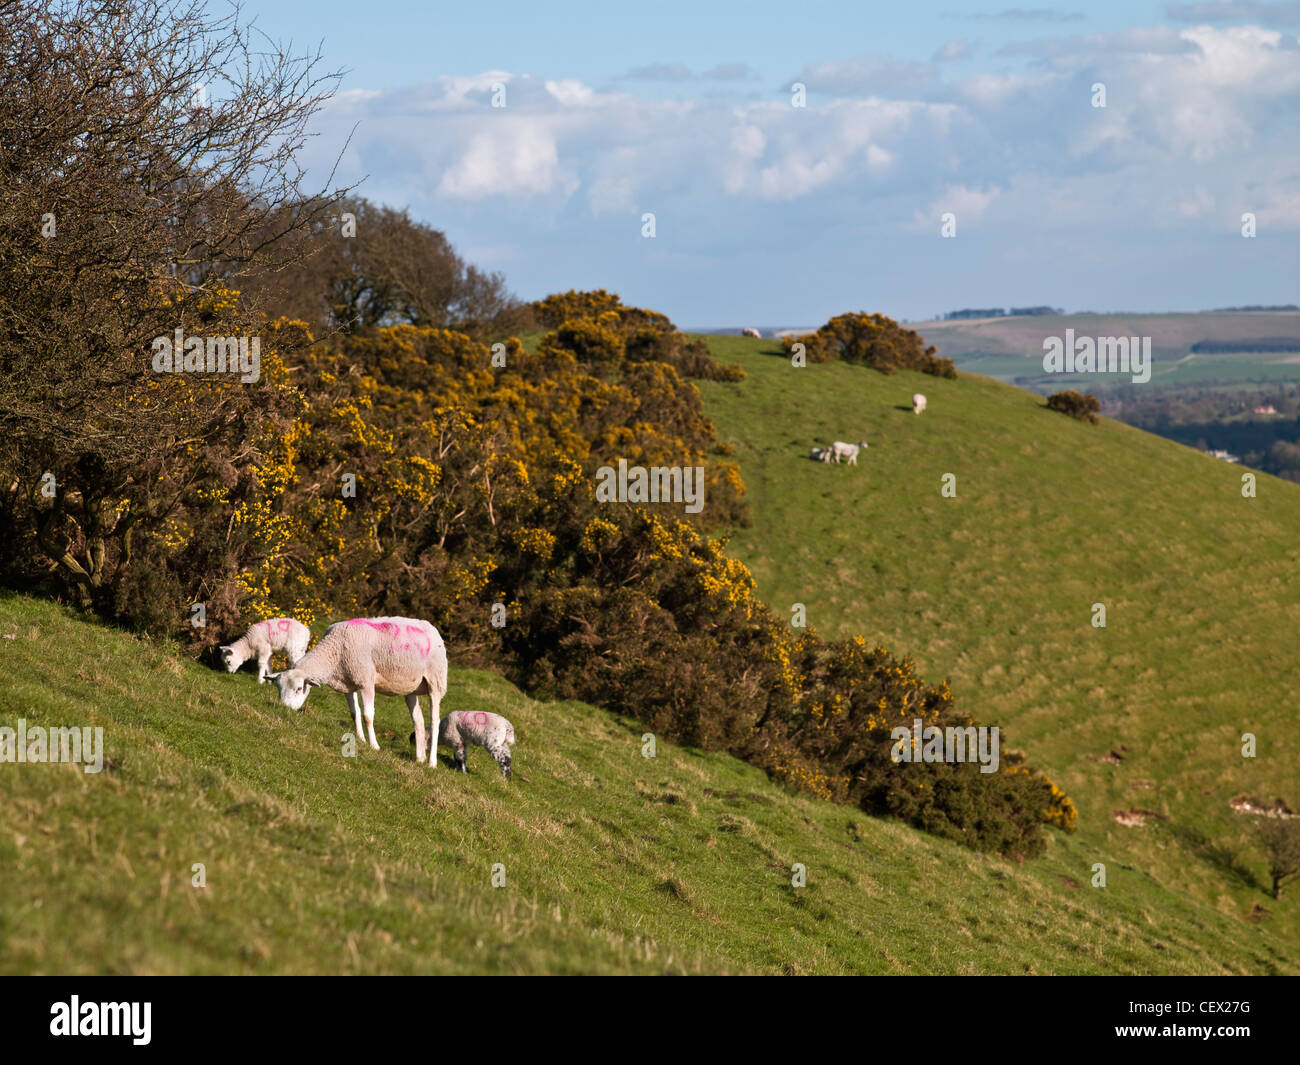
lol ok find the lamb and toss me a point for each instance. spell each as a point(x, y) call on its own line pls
point(839, 450)
point(262, 640)
point(393, 656)
point(750, 332)
point(821, 454)
point(492, 732)
point(918, 403)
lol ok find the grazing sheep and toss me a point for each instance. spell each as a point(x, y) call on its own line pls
point(752, 333)
point(393, 656)
point(839, 450)
point(821, 454)
point(918, 403)
point(262, 640)
point(492, 732)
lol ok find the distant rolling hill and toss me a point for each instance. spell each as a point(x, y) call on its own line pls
point(1011, 349)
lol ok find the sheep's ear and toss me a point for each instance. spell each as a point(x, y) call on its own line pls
point(273, 676)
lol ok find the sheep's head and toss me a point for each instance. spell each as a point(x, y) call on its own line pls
point(230, 658)
point(294, 686)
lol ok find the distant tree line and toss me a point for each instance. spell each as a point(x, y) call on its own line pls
point(1260, 307)
point(1227, 347)
point(999, 312)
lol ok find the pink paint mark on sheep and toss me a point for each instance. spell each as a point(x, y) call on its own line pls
point(420, 635)
point(393, 632)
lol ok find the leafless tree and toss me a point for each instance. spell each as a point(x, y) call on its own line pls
point(148, 163)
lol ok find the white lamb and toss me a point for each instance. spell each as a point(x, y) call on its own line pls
point(839, 450)
point(264, 639)
point(492, 732)
point(821, 454)
point(392, 656)
point(918, 403)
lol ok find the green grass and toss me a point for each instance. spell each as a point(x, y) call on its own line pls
point(614, 863)
point(994, 590)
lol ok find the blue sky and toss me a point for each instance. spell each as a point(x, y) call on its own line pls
point(769, 214)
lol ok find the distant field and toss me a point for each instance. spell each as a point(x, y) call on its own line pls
point(1011, 349)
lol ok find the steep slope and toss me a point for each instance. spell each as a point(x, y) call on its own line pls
point(614, 863)
point(995, 589)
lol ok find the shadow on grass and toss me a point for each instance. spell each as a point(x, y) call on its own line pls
point(1224, 858)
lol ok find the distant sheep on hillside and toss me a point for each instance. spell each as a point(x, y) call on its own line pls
point(821, 454)
point(840, 450)
point(918, 403)
point(264, 639)
point(393, 656)
point(752, 333)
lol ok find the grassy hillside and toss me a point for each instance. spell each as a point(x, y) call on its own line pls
point(614, 863)
point(1012, 348)
point(994, 589)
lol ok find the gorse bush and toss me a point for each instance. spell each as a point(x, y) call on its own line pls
point(872, 340)
point(1084, 407)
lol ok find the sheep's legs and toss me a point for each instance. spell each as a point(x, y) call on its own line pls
point(263, 666)
point(460, 758)
point(368, 711)
point(354, 704)
point(417, 718)
point(435, 701)
point(502, 755)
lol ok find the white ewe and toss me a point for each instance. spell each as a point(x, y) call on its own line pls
point(752, 333)
point(263, 640)
point(392, 656)
point(839, 450)
point(918, 403)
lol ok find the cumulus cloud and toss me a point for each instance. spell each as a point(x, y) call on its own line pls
point(515, 157)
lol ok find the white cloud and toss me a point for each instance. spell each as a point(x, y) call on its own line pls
point(514, 157)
